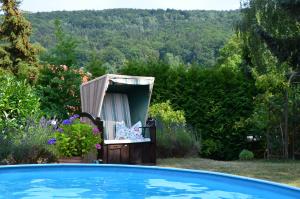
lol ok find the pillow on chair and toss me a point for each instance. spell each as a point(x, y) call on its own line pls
point(136, 131)
point(121, 131)
point(137, 128)
point(124, 133)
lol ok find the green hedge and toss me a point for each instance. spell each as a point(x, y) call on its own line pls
point(216, 101)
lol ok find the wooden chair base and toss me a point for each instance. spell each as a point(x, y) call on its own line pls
point(133, 153)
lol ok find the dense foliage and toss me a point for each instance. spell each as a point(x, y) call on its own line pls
point(217, 102)
point(174, 139)
point(246, 155)
point(271, 35)
point(74, 138)
point(95, 66)
point(165, 113)
point(272, 26)
point(18, 103)
point(30, 146)
point(58, 87)
point(17, 54)
point(59, 82)
point(126, 34)
point(64, 50)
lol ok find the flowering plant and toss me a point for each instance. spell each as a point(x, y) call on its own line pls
point(74, 138)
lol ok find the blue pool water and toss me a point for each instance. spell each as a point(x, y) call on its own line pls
point(119, 181)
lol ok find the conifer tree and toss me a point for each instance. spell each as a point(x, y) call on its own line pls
point(17, 54)
point(65, 50)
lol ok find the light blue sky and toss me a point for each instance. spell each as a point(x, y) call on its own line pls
point(50, 5)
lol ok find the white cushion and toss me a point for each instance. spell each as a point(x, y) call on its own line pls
point(136, 128)
point(124, 133)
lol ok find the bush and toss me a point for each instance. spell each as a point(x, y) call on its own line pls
point(164, 144)
point(22, 139)
point(29, 145)
point(17, 103)
point(6, 145)
point(58, 87)
point(246, 155)
point(210, 147)
point(173, 138)
point(183, 143)
point(164, 113)
point(179, 143)
point(75, 138)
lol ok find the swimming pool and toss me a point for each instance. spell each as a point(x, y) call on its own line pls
point(123, 181)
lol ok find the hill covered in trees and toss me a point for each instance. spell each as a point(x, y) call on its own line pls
point(118, 35)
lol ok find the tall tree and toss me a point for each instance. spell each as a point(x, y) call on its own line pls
point(17, 54)
point(95, 65)
point(271, 34)
point(274, 25)
point(65, 50)
point(59, 82)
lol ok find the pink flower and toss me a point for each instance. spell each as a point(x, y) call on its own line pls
point(98, 146)
point(64, 67)
point(96, 130)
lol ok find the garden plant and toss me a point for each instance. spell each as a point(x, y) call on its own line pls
point(74, 138)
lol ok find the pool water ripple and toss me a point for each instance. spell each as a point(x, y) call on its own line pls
point(119, 181)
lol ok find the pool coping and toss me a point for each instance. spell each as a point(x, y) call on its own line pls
point(231, 176)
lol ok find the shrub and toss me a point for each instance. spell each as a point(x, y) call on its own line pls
point(29, 145)
point(164, 144)
point(17, 103)
point(179, 143)
point(32, 147)
point(58, 87)
point(246, 155)
point(173, 138)
point(164, 113)
point(209, 147)
point(183, 143)
point(75, 138)
point(6, 145)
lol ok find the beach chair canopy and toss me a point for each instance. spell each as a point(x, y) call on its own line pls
point(117, 98)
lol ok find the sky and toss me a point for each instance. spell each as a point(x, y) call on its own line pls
point(51, 5)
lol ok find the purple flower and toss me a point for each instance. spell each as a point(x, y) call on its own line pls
point(66, 122)
point(96, 130)
point(98, 146)
point(60, 130)
point(51, 141)
point(74, 117)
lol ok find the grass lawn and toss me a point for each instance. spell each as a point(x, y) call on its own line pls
point(287, 172)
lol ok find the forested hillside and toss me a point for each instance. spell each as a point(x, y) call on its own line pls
point(119, 35)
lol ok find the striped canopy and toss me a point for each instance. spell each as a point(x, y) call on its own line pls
point(117, 97)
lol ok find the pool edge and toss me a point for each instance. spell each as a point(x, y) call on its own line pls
point(213, 173)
